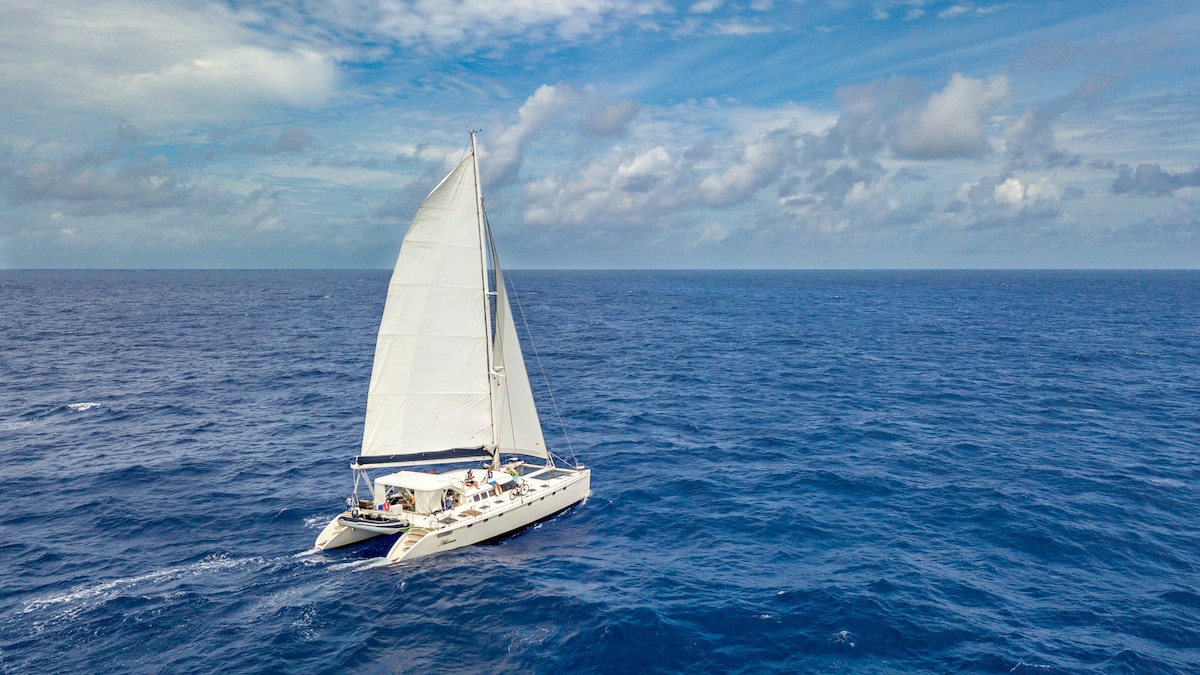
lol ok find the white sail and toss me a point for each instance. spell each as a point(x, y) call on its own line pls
point(429, 383)
point(517, 425)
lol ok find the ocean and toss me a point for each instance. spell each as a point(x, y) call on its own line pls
point(793, 472)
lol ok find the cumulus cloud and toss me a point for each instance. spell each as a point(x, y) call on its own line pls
point(897, 114)
point(867, 119)
point(84, 186)
point(542, 108)
point(864, 168)
point(832, 189)
point(108, 183)
point(760, 164)
point(623, 187)
point(618, 185)
point(952, 123)
point(1011, 194)
point(552, 107)
point(1151, 180)
point(612, 119)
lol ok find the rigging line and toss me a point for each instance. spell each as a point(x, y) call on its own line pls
point(542, 370)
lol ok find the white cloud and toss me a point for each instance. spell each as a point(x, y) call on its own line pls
point(544, 107)
point(953, 122)
point(151, 63)
point(555, 108)
point(963, 9)
point(1012, 195)
point(617, 187)
point(1009, 192)
point(955, 11)
point(760, 164)
point(612, 119)
point(896, 113)
point(645, 170)
point(705, 6)
point(742, 28)
point(227, 81)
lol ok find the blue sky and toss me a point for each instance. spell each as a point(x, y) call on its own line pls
point(614, 133)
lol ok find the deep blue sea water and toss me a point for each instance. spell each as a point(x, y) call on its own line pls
point(860, 472)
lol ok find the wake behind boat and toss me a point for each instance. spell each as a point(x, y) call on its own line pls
point(449, 386)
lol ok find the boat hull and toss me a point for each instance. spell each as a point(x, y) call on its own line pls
point(503, 519)
point(337, 534)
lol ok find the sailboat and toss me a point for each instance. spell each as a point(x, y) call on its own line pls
point(449, 390)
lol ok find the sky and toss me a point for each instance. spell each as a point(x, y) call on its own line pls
point(613, 133)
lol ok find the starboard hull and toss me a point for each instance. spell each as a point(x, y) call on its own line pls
point(506, 517)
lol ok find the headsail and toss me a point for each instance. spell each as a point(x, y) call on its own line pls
point(517, 425)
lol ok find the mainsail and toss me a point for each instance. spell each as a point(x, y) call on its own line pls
point(432, 397)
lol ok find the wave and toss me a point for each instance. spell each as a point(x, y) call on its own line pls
point(83, 407)
point(85, 597)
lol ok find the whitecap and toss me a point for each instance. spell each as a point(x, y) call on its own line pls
point(364, 564)
point(304, 625)
point(316, 522)
point(844, 637)
point(80, 407)
point(1035, 666)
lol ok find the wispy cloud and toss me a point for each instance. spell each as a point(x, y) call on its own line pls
point(153, 63)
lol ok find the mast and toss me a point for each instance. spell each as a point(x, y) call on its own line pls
point(487, 314)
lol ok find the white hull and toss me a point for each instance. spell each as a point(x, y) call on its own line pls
point(504, 516)
point(336, 534)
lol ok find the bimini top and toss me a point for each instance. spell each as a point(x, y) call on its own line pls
point(429, 482)
point(420, 482)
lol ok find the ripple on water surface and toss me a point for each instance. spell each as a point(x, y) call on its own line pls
point(877, 472)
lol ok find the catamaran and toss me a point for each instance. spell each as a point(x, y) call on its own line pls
point(449, 387)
